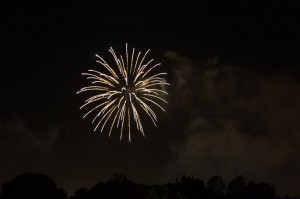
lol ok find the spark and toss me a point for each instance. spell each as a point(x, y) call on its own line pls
point(121, 94)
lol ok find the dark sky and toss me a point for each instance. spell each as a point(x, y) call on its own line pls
point(233, 100)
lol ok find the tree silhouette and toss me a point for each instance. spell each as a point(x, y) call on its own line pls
point(261, 190)
point(152, 193)
point(237, 187)
point(39, 186)
point(162, 192)
point(81, 193)
point(215, 187)
point(119, 187)
point(33, 186)
point(97, 191)
point(190, 187)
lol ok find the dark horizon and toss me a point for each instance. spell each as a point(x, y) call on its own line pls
point(39, 185)
point(233, 104)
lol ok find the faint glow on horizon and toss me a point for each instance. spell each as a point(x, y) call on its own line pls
point(122, 92)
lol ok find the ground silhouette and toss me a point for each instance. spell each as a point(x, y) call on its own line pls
point(40, 186)
point(32, 186)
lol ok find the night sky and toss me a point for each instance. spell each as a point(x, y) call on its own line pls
point(234, 97)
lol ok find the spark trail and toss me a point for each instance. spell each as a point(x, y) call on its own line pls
point(125, 89)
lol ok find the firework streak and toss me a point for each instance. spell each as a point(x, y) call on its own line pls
point(126, 88)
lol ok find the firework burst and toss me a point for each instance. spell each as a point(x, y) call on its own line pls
point(124, 90)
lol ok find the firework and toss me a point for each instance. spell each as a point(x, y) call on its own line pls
point(124, 90)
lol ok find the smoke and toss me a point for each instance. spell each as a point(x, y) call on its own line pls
point(237, 121)
point(22, 149)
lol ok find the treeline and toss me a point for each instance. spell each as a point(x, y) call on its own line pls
point(39, 186)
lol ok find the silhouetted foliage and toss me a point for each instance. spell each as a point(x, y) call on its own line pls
point(119, 187)
point(38, 186)
point(261, 190)
point(80, 194)
point(237, 187)
point(191, 187)
point(215, 187)
point(32, 186)
point(162, 192)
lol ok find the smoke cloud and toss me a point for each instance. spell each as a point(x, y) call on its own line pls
point(22, 149)
point(237, 121)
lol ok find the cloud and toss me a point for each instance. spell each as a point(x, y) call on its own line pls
point(182, 69)
point(23, 149)
point(228, 152)
point(236, 121)
point(17, 136)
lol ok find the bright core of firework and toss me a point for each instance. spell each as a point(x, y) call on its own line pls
point(124, 90)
